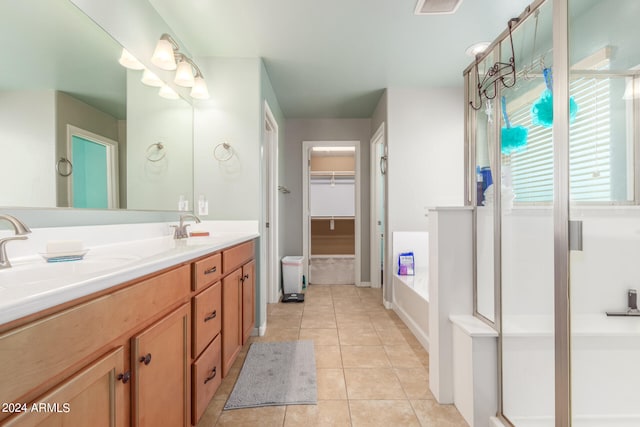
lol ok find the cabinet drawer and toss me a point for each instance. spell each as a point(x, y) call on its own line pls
point(36, 355)
point(236, 256)
point(206, 271)
point(206, 378)
point(207, 317)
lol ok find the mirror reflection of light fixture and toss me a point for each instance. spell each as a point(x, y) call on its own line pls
point(129, 61)
point(150, 79)
point(168, 93)
point(164, 54)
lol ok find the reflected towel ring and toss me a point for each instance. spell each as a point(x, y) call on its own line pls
point(223, 156)
point(62, 161)
point(159, 149)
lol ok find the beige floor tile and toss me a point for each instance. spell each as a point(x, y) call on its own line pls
point(320, 321)
point(358, 336)
point(373, 383)
point(382, 413)
point(325, 413)
point(415, 382)
point(227, 384)
point(402, 356)
point(280, 309)
point(352, 321)
point(211, 414)
point(328, 356)
point(320, 336)
point(382, 323)
point(320, 309)
point(280, 321)
point(391, 336)
point(344, 291)
point(369, 356)
point(275, 334)
point(331, 384)
point(266, 416)
point(432, 414)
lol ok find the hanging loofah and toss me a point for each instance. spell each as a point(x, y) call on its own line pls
point(542, 109)
point(514, 139)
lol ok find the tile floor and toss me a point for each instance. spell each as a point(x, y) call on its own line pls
point(371, 370)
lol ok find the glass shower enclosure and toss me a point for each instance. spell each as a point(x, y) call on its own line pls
point(557, 249)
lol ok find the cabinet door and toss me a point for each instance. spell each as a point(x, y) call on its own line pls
point(248, 300)
point(231, 319)
point(93, 397)
point(160, 361)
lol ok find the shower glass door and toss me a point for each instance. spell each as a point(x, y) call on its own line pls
point(604, 257)
point(526, 270)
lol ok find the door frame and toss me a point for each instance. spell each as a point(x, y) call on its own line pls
point(376, 259)
point(269, 279)
point(112, 163)
point(306, 223)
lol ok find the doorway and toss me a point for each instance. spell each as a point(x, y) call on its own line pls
point(94, 170)
point(269, 239)
point(378, 206)
point(331, 212)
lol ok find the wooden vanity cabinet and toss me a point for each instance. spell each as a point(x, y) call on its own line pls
point(248, 300)
point(231, 319)
point(87, 355)
point(93, 397)
point(159, 361)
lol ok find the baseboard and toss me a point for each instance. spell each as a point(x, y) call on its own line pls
point(495, 422)
point(260, 331)
point(419, 334)
point(388, 305)
point(363, 285)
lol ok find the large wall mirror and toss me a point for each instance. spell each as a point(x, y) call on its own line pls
point(76, 128)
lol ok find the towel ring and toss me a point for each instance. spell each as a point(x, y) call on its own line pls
point(223, 156)
point(159, 148)
point(62, 161)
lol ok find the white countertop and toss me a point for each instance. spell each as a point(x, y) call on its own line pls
point(32, 284)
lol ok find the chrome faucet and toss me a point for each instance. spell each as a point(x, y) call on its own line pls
point(181, 230)
point(21, 231)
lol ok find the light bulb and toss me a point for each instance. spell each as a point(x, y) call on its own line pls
point(168, 93)
point(184, 74)
point(129, 61)
point(150, 79)
point(199, 89)
point(163, 56)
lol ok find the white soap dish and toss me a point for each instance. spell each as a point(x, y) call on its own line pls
point(64, 256)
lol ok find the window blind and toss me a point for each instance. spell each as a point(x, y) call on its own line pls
point(589, 147)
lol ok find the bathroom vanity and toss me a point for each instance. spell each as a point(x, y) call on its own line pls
point(147, 351)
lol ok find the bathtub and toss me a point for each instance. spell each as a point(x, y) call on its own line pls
point(411, 303)
point(605, 370)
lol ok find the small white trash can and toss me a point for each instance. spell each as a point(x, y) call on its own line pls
point(292, 274)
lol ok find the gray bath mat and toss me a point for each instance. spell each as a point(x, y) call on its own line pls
point(276, 373)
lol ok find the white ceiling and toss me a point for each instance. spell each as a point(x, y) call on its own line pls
point(333, 58)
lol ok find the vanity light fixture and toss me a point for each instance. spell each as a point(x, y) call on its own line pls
point(184, 72)
point(199, 89)
point(164, 54)
point(168, 93)
point(129, 61)
point(150, 79)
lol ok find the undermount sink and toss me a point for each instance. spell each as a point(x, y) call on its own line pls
point(38, 270)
